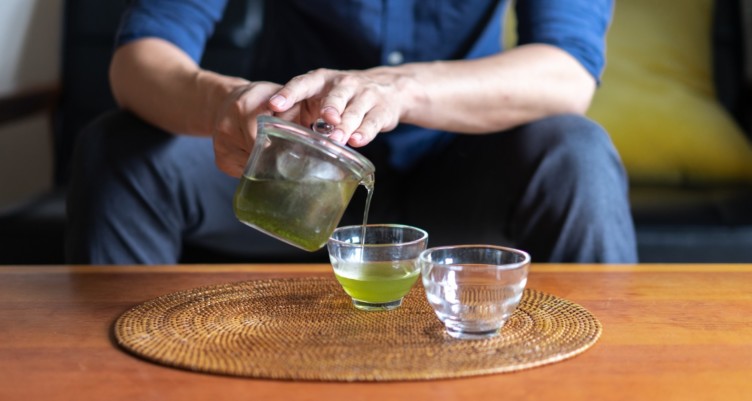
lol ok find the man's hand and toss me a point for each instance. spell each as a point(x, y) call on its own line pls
point(235, 129)
point(359, 104)
point(478, 96)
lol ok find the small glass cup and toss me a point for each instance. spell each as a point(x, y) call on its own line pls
point(376, 264)
point(474, 289)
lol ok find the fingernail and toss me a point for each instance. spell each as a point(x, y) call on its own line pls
point(278, 100)
point(337, 135)
point(356, 137)
point(329, 110)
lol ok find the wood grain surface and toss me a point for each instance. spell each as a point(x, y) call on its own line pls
point(670, 332)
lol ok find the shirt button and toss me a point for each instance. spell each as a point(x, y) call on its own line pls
point(395, 58)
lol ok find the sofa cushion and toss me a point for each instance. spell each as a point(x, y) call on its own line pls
point(657, 98)
point(658, 102)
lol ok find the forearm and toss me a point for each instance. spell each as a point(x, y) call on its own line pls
point(484, 95)
point(495, 93)
point(161, 84)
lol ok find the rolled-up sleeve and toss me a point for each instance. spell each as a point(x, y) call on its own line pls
point(186, 23)
point(578, 27)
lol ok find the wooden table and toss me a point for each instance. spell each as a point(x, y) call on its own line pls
point(671, 332)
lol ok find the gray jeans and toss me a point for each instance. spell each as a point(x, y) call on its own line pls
point(555, 188)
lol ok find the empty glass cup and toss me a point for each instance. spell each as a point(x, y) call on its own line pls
point(297, 183)
point(376, 266)
point(474, 289)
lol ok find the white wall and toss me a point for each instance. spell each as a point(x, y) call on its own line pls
point(30, 35)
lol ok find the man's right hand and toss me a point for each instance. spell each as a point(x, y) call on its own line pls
point(235, 128)
point(162, 85)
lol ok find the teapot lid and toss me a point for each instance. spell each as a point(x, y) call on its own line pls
point(356, 161)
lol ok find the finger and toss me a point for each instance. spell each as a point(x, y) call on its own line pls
point(230, 160)
point(232, 132)
point(335, 102)
point(352, 118)
point(371, 126)
point(248, 133)
point(238, 122)
point(298, 88)
point(293, 114)
point(309, 113)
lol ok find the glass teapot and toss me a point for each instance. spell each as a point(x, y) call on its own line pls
point(297, 183)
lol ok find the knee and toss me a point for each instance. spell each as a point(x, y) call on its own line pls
point(111, 141)
point(111, 158)
point(579, 147)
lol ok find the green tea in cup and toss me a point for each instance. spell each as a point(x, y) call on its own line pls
point(376, 264)
point(376, 282)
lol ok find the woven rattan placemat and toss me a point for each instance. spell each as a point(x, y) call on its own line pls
point(307, 329)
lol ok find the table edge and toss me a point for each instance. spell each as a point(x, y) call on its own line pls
point(321, 268)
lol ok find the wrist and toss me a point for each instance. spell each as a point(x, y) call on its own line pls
point(213, 91)
point(411, 94)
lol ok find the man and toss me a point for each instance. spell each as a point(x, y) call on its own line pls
point(471, 143)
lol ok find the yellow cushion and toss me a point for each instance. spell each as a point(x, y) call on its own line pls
point(657, 98)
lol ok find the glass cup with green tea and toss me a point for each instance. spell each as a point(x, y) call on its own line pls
point(376, 264)
point(297, 183)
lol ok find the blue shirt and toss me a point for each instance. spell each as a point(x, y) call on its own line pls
point(301, 35)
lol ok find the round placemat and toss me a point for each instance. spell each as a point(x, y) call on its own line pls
point(307, 329)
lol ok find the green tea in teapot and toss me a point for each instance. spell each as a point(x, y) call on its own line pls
point(303, 213)
point(297, 183)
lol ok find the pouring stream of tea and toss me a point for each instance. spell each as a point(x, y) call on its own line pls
point(369, 183)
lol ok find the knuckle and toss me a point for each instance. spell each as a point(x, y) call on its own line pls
point(319, 71)
point(298, 78)
point(351, 118)
point(347, 80)
point(372, 125)
point(336, 97)
point(237, 106)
